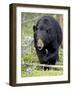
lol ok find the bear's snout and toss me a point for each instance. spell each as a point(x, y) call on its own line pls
point(40, 44)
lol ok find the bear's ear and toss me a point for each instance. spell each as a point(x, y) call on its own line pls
point(34, 28)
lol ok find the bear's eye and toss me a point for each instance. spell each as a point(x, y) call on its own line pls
point(48, 30)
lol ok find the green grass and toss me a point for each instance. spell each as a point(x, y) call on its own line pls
point(43, 73)
point(38, 71)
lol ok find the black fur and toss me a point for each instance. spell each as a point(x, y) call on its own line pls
point(49, 31)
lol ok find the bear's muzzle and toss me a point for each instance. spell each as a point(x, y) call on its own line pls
point(40, 44)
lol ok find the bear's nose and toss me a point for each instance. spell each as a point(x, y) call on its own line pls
point(40, 44)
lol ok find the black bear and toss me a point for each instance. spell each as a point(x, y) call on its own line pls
point(47, 39)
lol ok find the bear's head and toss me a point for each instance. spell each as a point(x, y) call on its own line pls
point(43, 33)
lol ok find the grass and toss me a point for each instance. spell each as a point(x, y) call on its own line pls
point(38, 71)
point(51, 72)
